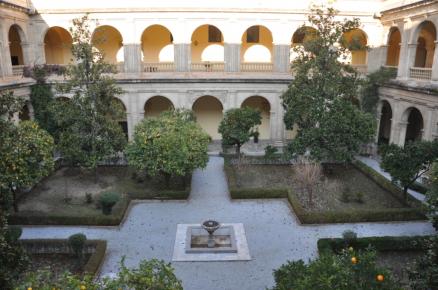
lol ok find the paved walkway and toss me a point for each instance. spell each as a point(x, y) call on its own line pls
point(273, 233)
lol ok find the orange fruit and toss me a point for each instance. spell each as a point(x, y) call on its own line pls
point(354, 260)
point(380, 278)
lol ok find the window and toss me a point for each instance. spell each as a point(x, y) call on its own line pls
point(14, 60)
point(214, 34)
point(252, 34)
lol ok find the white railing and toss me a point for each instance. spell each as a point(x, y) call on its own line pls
point(17, 70)
point(361, 68)
point(420, 73)
point(158, 67)
point(256, 67)
point(207, 66)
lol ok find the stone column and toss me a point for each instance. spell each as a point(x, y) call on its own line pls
point(39, 56)
point(407, 61)
point(281, 58)
point(435, 64)
point(182, 57)
point(27, 53)
point(5, 58)
point(132, 57)
point(404, 64)
point(232, 57)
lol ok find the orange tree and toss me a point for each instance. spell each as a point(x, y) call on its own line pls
point(26, 152)
point(349, 270)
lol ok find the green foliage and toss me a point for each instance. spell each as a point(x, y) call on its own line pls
point(41, 97)
point(88, 130)
point(432, 198)
point(270, 152)
point(13, 259)
point(406, 164)
point(350, 237)
point(151, 274)
point(423, 275)
point(77, 243)
point(107, 200)
point(171, 144)
point(321, 99)
point(370, 86)
point(338, 272)
point(238, 125)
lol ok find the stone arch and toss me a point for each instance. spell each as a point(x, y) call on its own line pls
point(384, 135)
point(414, 121)
point(16, 37)
point(157, 44)
point(426, 36)
point(155, 105)
point(209, 113)
point(394, 41)
point(109, 41)
point(207, 44)
point(356, 41)
point(263, 105)
point(301, 35)
point(257, 45)
point(57, 45)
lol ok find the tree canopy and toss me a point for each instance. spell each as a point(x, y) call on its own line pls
point(171, 144)
point(321, 101)
point(238, 125)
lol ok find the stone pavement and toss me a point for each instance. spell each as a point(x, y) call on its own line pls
point(272, 230)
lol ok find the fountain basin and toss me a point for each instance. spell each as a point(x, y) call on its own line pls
point(197, 240)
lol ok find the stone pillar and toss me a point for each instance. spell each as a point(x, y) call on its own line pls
point(407, 61)
point(39, 53)
point(27, 53)
point(6, 59)
point(435, 64)
point(182, 57)
point(281, 58)
point(404, 64)
point(132, 57)
point(232, 57)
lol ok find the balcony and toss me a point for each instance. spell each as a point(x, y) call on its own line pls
point(207, 67)
point(256, 67)
point(158, 67)
point(420, 73)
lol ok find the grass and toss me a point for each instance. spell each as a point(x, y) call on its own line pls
point(369, 198)
point(61, 198)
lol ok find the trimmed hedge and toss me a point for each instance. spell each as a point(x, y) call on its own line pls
point(94, 262)
point(404, 243)
point(353, 216)
point(245, 193)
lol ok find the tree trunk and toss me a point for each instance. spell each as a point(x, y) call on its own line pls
point(14, 200)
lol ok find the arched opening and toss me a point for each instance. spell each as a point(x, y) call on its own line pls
point(109, 42)
point(257, 45)
point(385, 123)
point(207, 44)
point(261, 104)
point(425, 45)
point(121, 115)
point(355, 41)
point(414, 127)
point(300, 36)
point(393, 54)
point(156, 105)
point(24, 114)
point(15, 49)
point(57, 46)
point(157, 44)
point(208, 113)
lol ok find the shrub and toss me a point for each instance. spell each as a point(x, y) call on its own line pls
point(77, 242)
point(359, 196)
point(423, 275)
point(308, 173)
point(107, 200)
point(270, 152)
point(350, 237)
point(351, 270)
point(13, 233)
point(88, 197)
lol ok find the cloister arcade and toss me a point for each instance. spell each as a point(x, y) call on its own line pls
point(208, 111)
point(57, 46)
point(156, 105)
point(262, 105)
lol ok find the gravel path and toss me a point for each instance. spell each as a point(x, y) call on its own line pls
point(273, 233)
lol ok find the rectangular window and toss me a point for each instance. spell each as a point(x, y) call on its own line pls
point(253, 34)
point(214, 34)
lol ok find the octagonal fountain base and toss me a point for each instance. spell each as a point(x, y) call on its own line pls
point(191, 244)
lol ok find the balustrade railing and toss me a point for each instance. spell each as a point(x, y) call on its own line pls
point(256, 67)
point(207, 66)
point(158, 67)
point(420, 73)
point(17, 70)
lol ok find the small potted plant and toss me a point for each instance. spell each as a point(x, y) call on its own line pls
point(107, 200)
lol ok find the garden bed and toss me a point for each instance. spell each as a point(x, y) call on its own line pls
point(61, 199)
point(352, 193)
point(57, 256)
